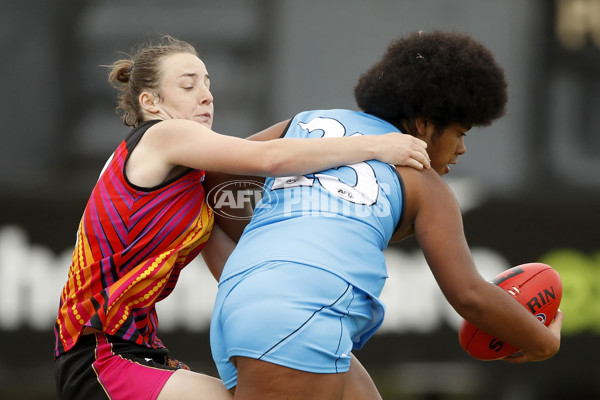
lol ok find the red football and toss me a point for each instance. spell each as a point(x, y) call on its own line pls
point(537, 287)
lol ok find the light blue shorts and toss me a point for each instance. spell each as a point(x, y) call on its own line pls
point(288, 314)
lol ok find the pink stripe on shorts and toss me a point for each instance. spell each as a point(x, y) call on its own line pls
point(123, 378)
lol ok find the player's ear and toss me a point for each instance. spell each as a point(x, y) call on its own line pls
point(148, 102)
point(424, 126)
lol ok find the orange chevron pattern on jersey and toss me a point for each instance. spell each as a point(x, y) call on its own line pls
point(131, 247)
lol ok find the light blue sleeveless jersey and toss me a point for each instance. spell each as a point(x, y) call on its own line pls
point(339, 220)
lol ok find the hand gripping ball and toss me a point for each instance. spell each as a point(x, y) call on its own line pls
point(537, 287)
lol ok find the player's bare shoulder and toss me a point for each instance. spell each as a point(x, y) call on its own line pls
point(423, 184)
point(423, 190)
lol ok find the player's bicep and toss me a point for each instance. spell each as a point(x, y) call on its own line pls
point(439, 231)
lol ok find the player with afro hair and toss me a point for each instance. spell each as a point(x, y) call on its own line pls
point(301, 290)
point(445, 77)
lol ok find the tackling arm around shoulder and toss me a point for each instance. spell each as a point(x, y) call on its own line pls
point(411, 151)
point(412, 154)
point(439, 231)
point(187, 143)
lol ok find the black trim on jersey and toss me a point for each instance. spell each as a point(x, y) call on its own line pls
point(402, 211)
point(287, 127)
point(131, 142)
point(136, 133)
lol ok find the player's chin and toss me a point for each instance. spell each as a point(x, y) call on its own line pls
point(442, 170)
point(204, 120)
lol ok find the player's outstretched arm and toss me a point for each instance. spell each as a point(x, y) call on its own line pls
point(412, 153)
point(187, 143)
point(439, 231)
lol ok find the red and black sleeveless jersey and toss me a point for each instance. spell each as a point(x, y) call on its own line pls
point(131, 245)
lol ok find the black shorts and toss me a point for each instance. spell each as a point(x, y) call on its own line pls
point(105, 367)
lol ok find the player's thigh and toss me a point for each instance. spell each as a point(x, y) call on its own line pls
point(184, 384)
point(359, 384)
point(261, 380)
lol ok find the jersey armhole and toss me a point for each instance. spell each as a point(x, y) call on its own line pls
point(287, 127)
point(403, 191)
point(131, 141)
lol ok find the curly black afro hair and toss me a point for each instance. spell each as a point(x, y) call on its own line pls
point(445, 77)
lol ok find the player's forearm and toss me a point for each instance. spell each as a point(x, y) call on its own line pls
point(301, 156)
point(495, 312)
